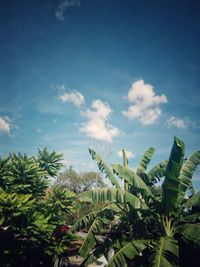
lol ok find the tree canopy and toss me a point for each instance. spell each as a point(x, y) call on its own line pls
point(79, 182)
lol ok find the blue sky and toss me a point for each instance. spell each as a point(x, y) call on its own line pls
point(107, 74)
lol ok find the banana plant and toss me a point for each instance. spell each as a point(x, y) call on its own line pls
point(158, 229)
point(114, 196)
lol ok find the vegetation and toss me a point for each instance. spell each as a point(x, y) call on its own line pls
point(136, 222)
point(153, 227)
point(30, 212)
point(78, 182)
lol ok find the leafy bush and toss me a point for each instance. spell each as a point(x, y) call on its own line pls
point(32, 213)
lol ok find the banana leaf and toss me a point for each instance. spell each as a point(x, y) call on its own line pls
point(113, 195)
point(129, 251)
point(146, 158)
point(132, 178)
point(171, 185)
point(186, 173)
point(190, 231)
point(158, 171)
point(90, 240)
point(194, 201)
point(103, 167)
point(166, 253)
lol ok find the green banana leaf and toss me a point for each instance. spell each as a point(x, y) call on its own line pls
point(87, 219)
point(90, 240)
point(158, 171)
point(113, 195)
point(166, 253)
point(129, 251)
point(132, 178)
point(96, 227)
point(194, 201)
point(171, 184)
point(190, 231)
point(192, 218)
point(103, 167)
point(186, 173)
point(146, 158)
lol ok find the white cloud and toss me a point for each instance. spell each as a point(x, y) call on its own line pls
point(63, 6)
point(76, 98)
point(5, 125)
point(38, 130)
point(177, 122)
point(97, 126)
point(144, 103)
point(129, 154)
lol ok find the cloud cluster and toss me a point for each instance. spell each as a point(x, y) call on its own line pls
point(75, 97)
point(96, 125)
point(144, 103)
point(177, 122)
point(63, 6)
point(129, 154)
point(5, 125)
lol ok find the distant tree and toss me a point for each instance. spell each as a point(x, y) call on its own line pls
point(79, 182)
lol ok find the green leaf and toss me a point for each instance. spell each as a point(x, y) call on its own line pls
point(103, 167)
point(192, 218)
point(49, 161)
point(194, 201)
point(171, 183)
point(158, 171)
point(190, 231)
point(166, 253)
point(96, 227)
point(113, 195)
point(186, 174)
point(88, 218)
point(90, 240)
point(146, 158)
point(132, 178)
point(129, 251)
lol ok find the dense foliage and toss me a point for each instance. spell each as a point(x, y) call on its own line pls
point(151, 227)
point(32, 214)
point(137, 222)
